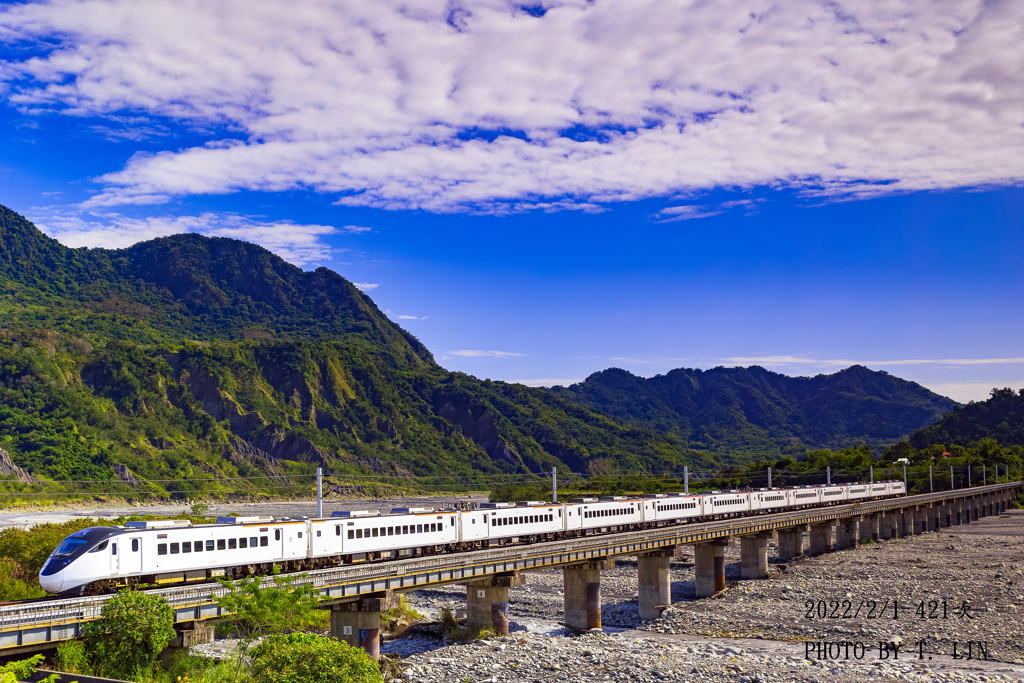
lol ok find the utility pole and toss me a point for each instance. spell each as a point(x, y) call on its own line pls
point(952, 484)
point(686, 479)
point(931, 484)
point(905, 486)
point(769, 477)
point(984, 476)
point(968, 476)
point(828, 476)
point(319, 492)
point(872, 468)
point(554, 486)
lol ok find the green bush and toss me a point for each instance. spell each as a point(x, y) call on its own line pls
point(134, 628)
point(72, 658)
point(13, 672)
point(308, 658)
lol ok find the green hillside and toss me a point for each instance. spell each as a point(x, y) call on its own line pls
point(727, 409)
point(1001, 417)
point(194, 358)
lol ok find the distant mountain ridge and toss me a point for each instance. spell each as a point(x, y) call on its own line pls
point(1000, 417)
point(754, 408)
point(190, 359)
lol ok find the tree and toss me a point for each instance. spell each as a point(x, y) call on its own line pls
point(309, 658)
point(134, 629)
point(272, 609)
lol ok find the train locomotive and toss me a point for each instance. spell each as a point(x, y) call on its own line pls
point(101, 559)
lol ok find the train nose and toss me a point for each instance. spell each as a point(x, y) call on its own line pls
point(52, 583)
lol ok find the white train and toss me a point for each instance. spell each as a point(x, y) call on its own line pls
point(176, 551)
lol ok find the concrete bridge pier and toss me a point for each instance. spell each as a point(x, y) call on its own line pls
point(846, 533)
point(358, 623)
point(869, 527)
point(198, 634)
point(655, 575)
point(974, 509)
point(754, 555)
point(934, 517)
point(907, 522)
point(487, 601)
point(821, 538)
point(791, 543)
point(920, 520)
point(887, 525)
point(709, 567)
point(582, 590)
point(944, 515)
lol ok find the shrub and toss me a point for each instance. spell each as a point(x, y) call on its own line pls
point(308, 658)
point(72, 658)
point(272, 609)
point(134, 628)
point(13, 672)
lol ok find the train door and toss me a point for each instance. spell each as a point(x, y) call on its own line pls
point(126, 557)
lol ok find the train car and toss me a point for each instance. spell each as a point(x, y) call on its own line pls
point(526, 520)
point(170, 551)
point(897, 488)
point(407, 531)
point(769, 500)
point(672, 507)
point(608, 512)
point(726, 503)
point(803, 496)
point(878, 489)
point(833, 495)
point(858, 491)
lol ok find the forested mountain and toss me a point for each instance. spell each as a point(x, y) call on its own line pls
point(1001, 417)
point(753, 408)
point(188, 358)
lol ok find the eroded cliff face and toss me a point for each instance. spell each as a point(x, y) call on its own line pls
point(477, 424)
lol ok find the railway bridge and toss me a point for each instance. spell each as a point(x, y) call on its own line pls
point(357, 594)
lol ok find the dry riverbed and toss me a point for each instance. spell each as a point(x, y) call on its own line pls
point(760, 630)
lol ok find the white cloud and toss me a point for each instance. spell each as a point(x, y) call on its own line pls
point(365, 286)
point(469, 353)
point(629, 361)
point(397, 103)
point(685, 213)
point(412, 317)
point(964, 392)
point(804, 360)
point(296, 243)
point(544, 382)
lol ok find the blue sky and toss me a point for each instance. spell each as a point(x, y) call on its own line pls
point(538, 195)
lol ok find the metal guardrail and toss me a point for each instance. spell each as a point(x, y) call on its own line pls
point(41, 624)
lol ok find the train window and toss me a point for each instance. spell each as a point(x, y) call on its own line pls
point(232, 543)
point(101, 546)
point(174, 549)
point(375, 532)
point(199, 546)
point(559, 513)
point(433, 527)
point(253, 541)
point(113, 549)
point(277, 534)
point(359, 533)
point(243, 543)
point(161, 549)
point(405, 529)
point(220, 544)
point(318, 533)
point(209, 546)
point(186, 547)
point(300, 534)
point(419, 528)
point(135, 545)
point(453, 521)
point(391, 531)
point(263, 541)
point(337, 530)
point(351, 534)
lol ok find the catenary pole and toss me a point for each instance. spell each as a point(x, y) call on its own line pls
point(319, 492)
point(554, 486)
point(686, 479)
point(931, 483)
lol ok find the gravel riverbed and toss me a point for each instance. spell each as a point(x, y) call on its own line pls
point(761, 630)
